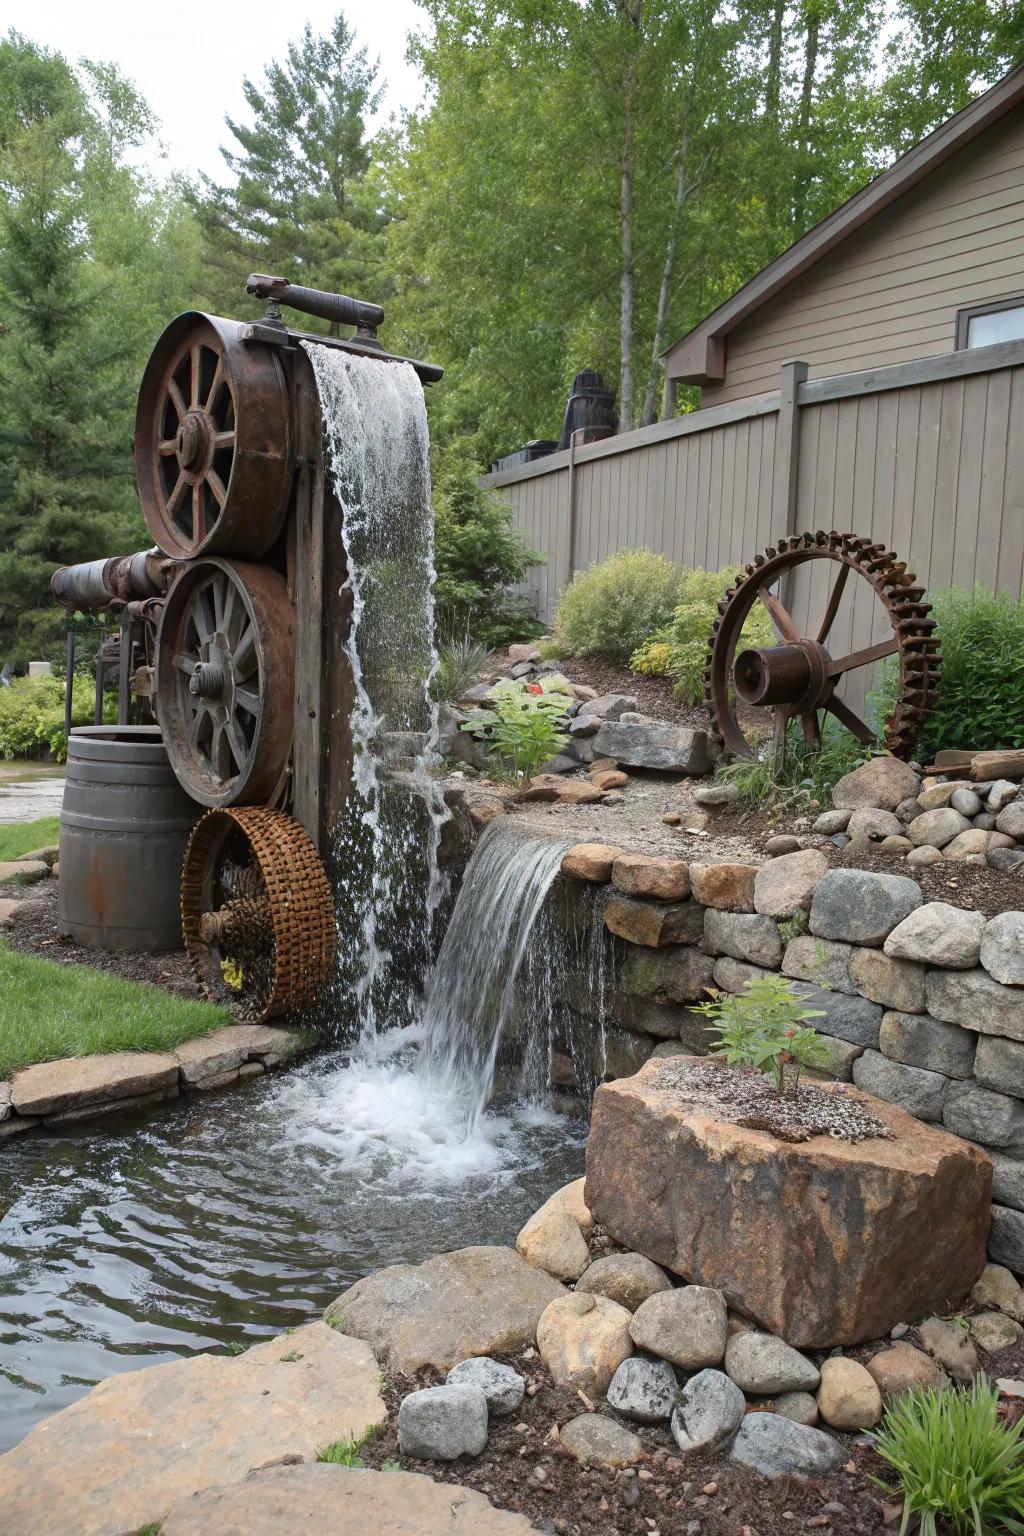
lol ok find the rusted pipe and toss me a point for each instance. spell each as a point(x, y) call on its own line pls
point(99, 583)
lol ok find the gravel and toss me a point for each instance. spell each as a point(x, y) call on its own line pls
point(749, 1098)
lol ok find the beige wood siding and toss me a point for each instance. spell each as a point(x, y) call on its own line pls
point(891, 291)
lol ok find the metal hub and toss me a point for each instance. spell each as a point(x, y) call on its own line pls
point(795, 674)
point(798, 678)
point(208, 679)
point(194, 440)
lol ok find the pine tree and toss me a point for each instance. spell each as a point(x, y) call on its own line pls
point(302, 205)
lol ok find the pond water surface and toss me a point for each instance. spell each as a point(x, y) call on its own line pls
point(218, 1221)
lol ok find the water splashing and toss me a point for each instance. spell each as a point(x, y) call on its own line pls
point(384, 856)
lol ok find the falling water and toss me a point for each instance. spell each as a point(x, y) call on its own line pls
point(474, 988)
point(384, 858)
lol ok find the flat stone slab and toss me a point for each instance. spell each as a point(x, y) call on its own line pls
point(228, 1049)
point(655, 744)
point(340, 1501)
point(822, 1242)
point(80, 1082)
point(475, 1301)
point(24, 871)
point(141, 1441)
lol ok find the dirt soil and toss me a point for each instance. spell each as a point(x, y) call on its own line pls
point(654, 695)
point(35, 933)
point(702, 1496)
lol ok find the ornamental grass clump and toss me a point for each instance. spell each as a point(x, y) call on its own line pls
point(959, 1467)
point(764, 1027)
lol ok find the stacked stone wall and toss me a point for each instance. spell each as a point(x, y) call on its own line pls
point(922, 1002)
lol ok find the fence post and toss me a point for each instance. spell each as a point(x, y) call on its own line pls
point(787, 449)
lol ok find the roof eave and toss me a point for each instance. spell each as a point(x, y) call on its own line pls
point(699, 356)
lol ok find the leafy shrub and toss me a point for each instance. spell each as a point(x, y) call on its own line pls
point(763, 1027)
point(981, 694)
point(612, 608)
point(679, 647)
point(460, 664)
point(955, 1461)
point(804, 774)
point(479, 556)
point(522, 728)
point(32, 716)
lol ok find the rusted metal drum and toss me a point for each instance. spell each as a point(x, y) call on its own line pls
point(125, 822)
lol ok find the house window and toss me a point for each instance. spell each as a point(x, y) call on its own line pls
point(983, 325)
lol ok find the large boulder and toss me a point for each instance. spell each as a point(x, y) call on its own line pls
point(120, 1457)
point(583, 1340)
point(654, 744)
point(340, 1501)
point(443, 1423)
point(857, 906)
point(821, 1242)
point(475, 1301)
point(778, 1447)
point(939, 934)
point(882, 782)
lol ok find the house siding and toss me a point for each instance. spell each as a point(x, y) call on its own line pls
point(891, 291)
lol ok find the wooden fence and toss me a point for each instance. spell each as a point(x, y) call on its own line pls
point(926, 457)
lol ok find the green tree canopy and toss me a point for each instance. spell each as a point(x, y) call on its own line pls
point(91, 257)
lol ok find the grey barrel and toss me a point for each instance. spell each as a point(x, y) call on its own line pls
point(124, 824)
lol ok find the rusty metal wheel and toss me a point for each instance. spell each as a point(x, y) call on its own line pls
point(798, 678)
point(257, 913)
point(225, 669)
point(213, 440)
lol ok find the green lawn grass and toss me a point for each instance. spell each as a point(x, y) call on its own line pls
point(25, 836)
point(49, 1011)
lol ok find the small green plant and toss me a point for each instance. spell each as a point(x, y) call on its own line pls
point(345, 1453)
point(391, 1466)
point(955, 1462)
point(764, 1027)
point(460, 663)
point(522, 727)
point(611, 609)
point(678, 648)
point(794, 927)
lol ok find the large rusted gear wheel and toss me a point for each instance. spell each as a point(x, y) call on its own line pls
point(798, 678)
point(225, 675)
point(213, 440)
point(257, 913)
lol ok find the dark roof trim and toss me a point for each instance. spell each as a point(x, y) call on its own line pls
point(699, 357)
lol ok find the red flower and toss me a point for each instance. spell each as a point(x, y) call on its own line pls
point(534, 688)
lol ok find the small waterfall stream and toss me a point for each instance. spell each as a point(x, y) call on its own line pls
point(497, 976)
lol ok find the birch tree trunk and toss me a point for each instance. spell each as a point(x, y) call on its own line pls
point(683, 189)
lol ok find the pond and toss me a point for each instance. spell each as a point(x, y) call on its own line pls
point(221, 1220)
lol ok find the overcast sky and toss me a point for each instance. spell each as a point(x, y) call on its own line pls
point(189, 60)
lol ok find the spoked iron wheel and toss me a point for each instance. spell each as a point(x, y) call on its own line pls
point(798, 679)
point(213, 451)
point(257, 913)
point(225, 665)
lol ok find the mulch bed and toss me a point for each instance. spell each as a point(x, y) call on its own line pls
point(699, 1496)
point(35, 933)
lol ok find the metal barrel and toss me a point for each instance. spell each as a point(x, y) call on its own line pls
point(124, 822)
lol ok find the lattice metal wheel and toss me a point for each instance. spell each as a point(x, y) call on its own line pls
point(257, 913)
point(225, 669)
point(797, 679)
point(213, 440)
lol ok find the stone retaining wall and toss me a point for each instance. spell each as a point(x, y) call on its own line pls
point(53, 1094)
point(923, 1002)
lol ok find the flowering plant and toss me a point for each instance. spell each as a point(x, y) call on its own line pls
point(522, 727)
point(763, 1026)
